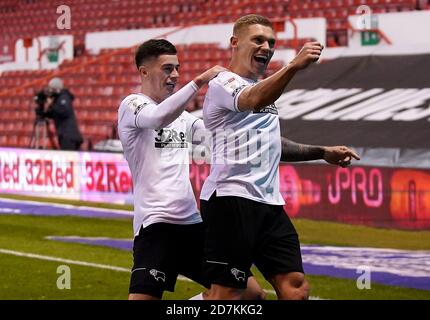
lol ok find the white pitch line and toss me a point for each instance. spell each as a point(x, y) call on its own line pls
point(94, 265)
point(125, 212)
point(76, 262)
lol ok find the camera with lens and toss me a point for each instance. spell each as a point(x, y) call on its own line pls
point(40, 99)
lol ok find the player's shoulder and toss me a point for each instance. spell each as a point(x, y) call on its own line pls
point(134, 101)
point(225, 78)
point(185, 114)
point(227, 82)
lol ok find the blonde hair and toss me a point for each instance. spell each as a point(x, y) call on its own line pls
point(249, 20)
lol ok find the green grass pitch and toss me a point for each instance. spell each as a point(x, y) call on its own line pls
point(24, 277)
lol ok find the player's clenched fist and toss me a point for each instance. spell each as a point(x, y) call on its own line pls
point(310, 53)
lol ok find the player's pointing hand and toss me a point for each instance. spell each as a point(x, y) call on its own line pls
point(340, 155)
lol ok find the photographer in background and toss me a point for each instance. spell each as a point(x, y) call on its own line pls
point(60, 109)
point(41, 129)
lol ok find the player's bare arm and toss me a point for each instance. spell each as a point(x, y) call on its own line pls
point(270, 89)
point(337, 155)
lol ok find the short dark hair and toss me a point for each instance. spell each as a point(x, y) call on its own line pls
point(249, 20)
point(153, 49)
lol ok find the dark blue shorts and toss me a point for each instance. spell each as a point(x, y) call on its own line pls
point(241, 232)
point(161, 251)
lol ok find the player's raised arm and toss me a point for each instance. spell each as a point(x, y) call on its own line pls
point(269, 90)
point(153, 116)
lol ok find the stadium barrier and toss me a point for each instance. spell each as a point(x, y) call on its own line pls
point(376, 196)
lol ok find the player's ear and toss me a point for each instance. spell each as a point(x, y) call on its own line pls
point(233, 41)
point(143, 71)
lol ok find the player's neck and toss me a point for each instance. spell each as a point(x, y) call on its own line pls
point(150, 93)
point(242, 71)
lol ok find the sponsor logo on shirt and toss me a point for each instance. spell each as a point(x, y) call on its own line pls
point(269, 109)
point(136, 104)
point(170, 138)
point(233, 86)
point(236, 91)
point(229, 81)
point(138, 108)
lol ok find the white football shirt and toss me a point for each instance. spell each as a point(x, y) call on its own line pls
point(159, 164)
point(246, 146)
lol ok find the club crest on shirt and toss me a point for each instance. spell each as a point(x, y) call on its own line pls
point(269, 109)
point(170, 138)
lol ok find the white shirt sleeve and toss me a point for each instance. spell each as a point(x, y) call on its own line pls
point(148, 115)
point(196, 130)
point(200, 138)
point(226, 89)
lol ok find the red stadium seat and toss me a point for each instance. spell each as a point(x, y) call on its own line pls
point(100, 86)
